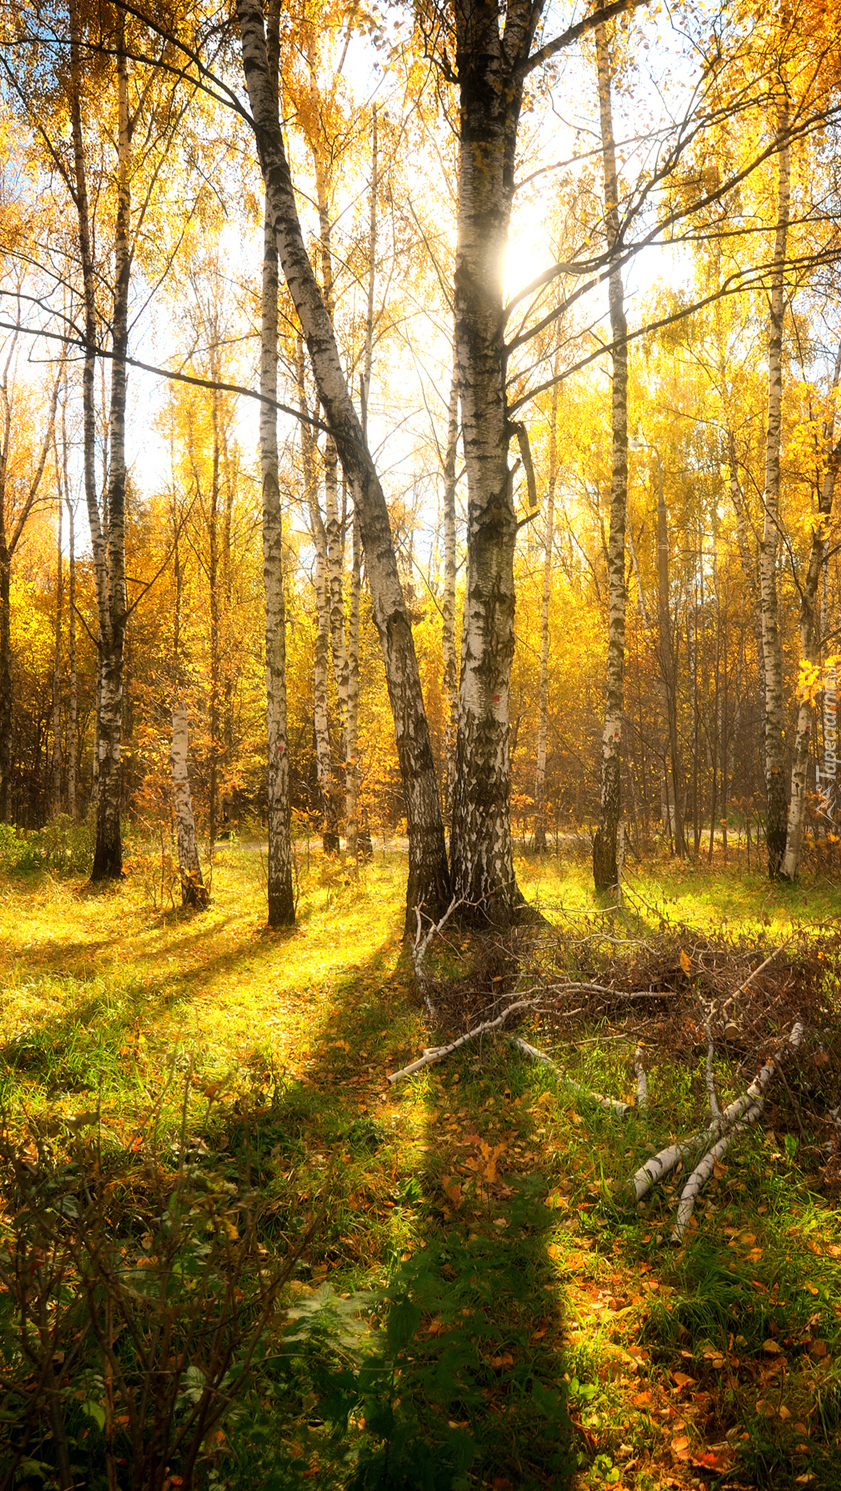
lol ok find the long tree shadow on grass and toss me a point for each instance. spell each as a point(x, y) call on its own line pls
point(433, 1196)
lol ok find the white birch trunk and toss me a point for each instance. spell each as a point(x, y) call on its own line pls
point(488, 66)
point(448, 600)
point(193, 889)
point(73, 690)
point(325, 773)
point(428, 882)
point(775, 785)
point(605, 869)
point(359, 842)
point(59, 608)
point(810, 643)
point(109, 552)
point(281, 897)
point(543, 683)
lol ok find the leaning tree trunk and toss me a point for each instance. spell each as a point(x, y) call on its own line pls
point(490, 82)
point(776, 809)
point(281, 894)
point(428, 881)
point(810, 648)
point(605, 866)
point(543, 684)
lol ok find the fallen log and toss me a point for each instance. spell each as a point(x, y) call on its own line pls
point(437, 1053)
point(660, 1165)
point(612, 1105)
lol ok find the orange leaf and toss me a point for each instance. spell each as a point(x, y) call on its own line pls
point(685, 962)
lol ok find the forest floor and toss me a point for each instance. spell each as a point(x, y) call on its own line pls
point(434, 1283)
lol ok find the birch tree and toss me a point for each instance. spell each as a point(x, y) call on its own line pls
point(605, 866)
point(810, 632)
point(428, 881)
point(775, 783)
point(281, 897)
point(21, 475)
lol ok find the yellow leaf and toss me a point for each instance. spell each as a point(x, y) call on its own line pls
point(685, 961)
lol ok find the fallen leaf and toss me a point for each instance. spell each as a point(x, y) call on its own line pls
point(685, 961)
point(682, 1379)
point(771, 1347)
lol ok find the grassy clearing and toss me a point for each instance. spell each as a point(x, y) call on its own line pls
point(465, 1303)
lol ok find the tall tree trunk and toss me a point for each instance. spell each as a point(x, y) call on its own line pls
point(215, 638)
point(749, 570)
point(5, 622)
point(281, 896)
point(5, 674)
point(59, 607)
point(490, 100)
point(72, 682)
point(448, 601)
point(543, 684)
point(668, 671)
point(775, 784)
point(810, 648)
point(110, 569)
point(428, 881)
point(193, 888)
point(605, 867)
point(12, 525)
point(324, 767)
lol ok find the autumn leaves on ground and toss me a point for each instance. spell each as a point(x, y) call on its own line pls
point(213, 1197)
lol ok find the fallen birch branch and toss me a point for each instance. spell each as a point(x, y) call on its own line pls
point(612, 1105)
point(420, 947)
point(654, 1170)
point(642, 1081)
point(728, 1003)
point(702, 1172)
point(437, 1053)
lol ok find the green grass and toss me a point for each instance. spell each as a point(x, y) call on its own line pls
point(470, 1304)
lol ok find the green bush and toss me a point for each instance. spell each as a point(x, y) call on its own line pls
point(61, 846)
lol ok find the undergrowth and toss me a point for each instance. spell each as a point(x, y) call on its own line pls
point(212, 1197)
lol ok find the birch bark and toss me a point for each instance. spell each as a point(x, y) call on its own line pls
point(428, 881)
point(108, 536)
point(810, 642)
point(281, 896)
point(59, 616)
point(775, 784)
point(333, 532)
point(359, 842)
point(13, 520)
point(488, 62)
point(193, 889)
point(543, 683)
point(73, 691)
point(605, 868)
point(321, 725)
point(448, 602)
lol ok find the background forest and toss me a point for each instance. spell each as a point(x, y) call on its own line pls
point(681, 163)
point(419, 832)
